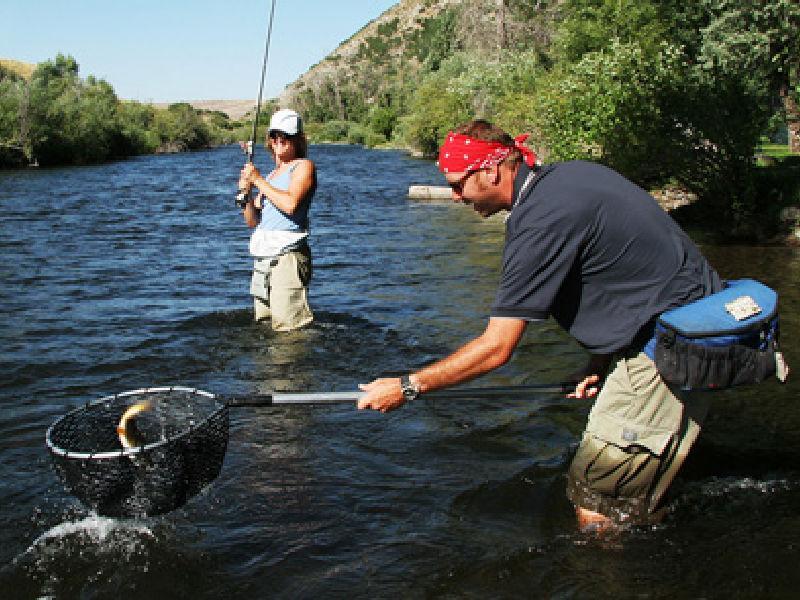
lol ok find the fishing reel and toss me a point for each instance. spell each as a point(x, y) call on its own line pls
point(243, 197)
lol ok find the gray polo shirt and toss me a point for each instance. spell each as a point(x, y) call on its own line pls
point(598, 254)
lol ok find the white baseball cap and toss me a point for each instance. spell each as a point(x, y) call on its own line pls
point(287, 121)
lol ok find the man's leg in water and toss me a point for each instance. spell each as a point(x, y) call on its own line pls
point(638, 435)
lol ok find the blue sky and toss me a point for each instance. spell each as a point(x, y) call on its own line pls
point(171, 50)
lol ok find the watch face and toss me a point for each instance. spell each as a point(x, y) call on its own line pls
point(410, 391)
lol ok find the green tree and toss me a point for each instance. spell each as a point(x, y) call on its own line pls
point(608, 107)
point(59, 118)
point(434, 109)
point(382, 120)
point(12, 94)
point(91, 121)
point(71, 121)
point(595, 25)
point(50, 82)
point(137, 123)
point(743, 58)
point(760, 41)
point(180, 127)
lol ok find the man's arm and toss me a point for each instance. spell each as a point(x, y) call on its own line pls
point(492, 349)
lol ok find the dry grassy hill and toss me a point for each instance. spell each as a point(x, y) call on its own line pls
point(16, 66)
point(235, 109)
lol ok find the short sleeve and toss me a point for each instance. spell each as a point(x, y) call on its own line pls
point(536, 263)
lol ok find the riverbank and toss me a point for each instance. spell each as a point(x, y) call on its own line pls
point(680, 204)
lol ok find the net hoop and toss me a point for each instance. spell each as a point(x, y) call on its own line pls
point(129, 452)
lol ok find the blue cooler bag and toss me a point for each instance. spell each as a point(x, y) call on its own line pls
point(726, 339)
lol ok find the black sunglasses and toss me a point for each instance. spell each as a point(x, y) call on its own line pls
point(458, 186)
point(274, 135)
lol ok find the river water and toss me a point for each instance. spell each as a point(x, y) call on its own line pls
point(136, 273)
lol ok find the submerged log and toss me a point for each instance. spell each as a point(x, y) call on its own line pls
point(430, 192)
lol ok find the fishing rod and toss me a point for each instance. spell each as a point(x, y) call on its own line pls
point(244, 195)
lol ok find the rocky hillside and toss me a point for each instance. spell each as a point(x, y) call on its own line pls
point(387, 44)
point(379, 67)
point(386, 52)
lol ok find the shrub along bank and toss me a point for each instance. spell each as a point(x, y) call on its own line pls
point(54, 117)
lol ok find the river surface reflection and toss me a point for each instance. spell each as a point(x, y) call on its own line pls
point(136, 273)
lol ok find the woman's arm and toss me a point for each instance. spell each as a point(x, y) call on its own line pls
point(252, 215)
point(302, 182)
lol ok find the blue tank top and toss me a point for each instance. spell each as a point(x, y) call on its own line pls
point(274, 219)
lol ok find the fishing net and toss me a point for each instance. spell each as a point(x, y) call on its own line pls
point(184, 436)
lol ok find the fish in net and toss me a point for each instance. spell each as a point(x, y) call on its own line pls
point(157, 460)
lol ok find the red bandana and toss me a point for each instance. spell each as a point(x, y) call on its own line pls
point(462, 154)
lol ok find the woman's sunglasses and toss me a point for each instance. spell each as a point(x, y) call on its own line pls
point(279, 135)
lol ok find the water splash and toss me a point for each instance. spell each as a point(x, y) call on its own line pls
point(100, 535)
point(74, 556)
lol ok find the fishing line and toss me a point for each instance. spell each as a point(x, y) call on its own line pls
point(243, 196)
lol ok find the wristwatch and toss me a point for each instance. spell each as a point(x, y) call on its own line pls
point(410, 390)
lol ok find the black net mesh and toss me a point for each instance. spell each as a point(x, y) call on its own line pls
point(184, 435)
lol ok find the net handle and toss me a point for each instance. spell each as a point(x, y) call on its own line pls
point(322, 398)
